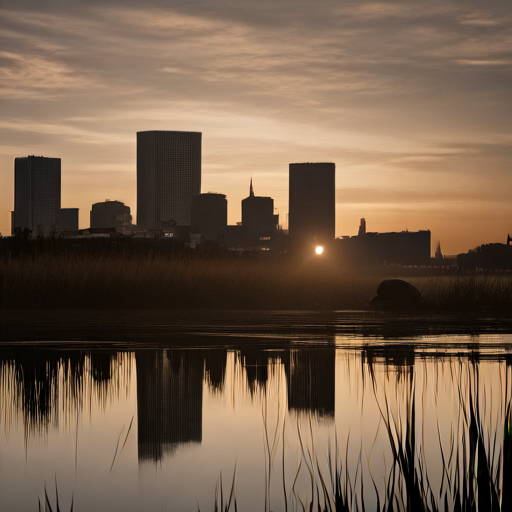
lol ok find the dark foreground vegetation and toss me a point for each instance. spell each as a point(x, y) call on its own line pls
point(476, 471)
point(169, 277)
point(473, 472)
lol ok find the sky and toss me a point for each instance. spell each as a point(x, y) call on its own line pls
point(411, 100)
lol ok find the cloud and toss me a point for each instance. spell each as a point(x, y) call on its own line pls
point(378, 196)
point(25, 76)
point(496, 62)
point(406, 97)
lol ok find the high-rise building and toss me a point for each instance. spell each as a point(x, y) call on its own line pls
point(36, 193)
point(209, 214)
point(168, 175)
point(312, 213)
point(258, 212)
point(111, 214)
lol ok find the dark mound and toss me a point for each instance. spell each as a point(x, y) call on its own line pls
point(396, 293)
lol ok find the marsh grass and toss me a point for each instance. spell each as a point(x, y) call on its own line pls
point(183, 280)
point(473, 472)
point(467, 293)
point(46, 506)
point(176, 281)
point(472, 463)
point(220, 503)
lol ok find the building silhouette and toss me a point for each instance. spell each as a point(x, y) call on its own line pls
point(111, 214)
point(312, 201)
point(488, 257)
point(209, 214)
point(258, 212)
point(410, 247)
point(233, 236)
point(67, 219)
point(37, 182)
point(258, 221)
point(362, 228)
point(168, 175)
point(439, 253)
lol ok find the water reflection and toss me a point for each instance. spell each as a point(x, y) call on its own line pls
point(48, 388)
point(41, 384)
point(215, 368)
point(255, 361)
point(403, 422)
point(169, 400)
point(310, 378)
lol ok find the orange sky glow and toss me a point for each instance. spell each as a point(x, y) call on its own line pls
point(411, 100)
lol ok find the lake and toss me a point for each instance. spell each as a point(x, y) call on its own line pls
point(281, 409)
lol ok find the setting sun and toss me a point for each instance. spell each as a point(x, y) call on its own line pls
point(319, 249)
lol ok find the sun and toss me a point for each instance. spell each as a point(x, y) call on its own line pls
point(319, 249)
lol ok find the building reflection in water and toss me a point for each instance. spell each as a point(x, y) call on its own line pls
point(311, 378)
point(169, 401)
point(310, 375)
point(255, 361)
point(170, 389)
point(215, 368)
point(48, 387)
point(463, 403)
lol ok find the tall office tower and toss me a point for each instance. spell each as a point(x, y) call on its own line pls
point(209, 214)
point(258, 212)
point(312, 201)
point(36, 193)
point(168, 175)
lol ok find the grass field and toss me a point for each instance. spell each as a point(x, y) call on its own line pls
point(169, 281)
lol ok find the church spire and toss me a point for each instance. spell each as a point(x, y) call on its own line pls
point(439, 255)
point(251, 192)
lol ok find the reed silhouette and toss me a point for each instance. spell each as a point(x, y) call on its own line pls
point(181, 280)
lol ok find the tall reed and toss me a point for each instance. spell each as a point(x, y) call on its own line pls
point(176, 281)
point(475, 465)
point(121, 280)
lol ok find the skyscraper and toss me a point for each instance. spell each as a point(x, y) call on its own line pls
point(168, 175)
point(312, 201)
point(36, 193)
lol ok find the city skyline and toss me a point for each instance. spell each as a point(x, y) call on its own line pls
point(409, 100)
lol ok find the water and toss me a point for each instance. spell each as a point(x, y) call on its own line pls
point(159, 426)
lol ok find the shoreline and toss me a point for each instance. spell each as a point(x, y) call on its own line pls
point(83, 326)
